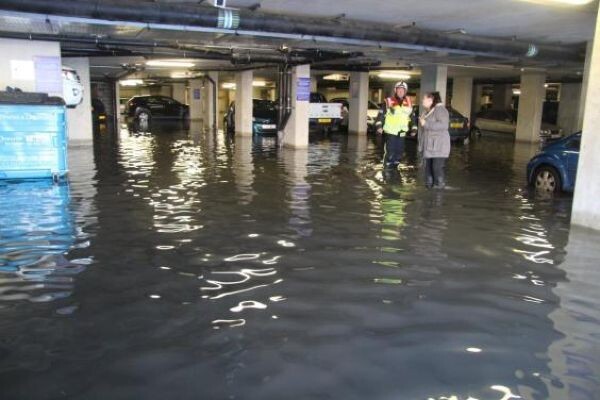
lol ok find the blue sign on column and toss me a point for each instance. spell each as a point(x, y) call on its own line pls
point(303, 89)
point(196, 94)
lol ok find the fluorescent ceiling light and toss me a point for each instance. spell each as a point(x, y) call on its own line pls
point(181, 74)
point(259, 83)
point(170, 63)
point(394, 75)
point(336, 77)
point(131, 82)
point(228, 85)
point(517, 92)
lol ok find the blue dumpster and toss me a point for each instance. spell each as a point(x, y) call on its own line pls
point(33, 141)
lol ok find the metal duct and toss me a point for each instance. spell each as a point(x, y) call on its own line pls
point(279, 26)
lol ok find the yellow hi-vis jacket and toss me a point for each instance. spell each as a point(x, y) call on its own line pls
point(396, 116)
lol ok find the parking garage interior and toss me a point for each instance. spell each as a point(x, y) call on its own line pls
point(222, 225)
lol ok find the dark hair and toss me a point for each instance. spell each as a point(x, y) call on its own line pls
point(435, 96)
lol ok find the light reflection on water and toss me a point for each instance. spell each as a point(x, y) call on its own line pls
point(196, 266)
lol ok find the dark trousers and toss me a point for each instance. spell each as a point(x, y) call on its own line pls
point(435, 172)
point(394, 148)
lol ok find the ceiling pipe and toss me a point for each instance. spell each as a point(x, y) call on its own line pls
point(207, 19)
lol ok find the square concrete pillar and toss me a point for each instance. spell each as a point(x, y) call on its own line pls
point(358, 103)
point(178, 91)
point(462, 95)
point(195, 99)
point(117, 91)
point(434, 78)
point(313, 84)
point(531, 102)
point(212, 99)
point(477, 98)
point(586, 203)
point(295, 134)
point(243, 103)
point(568, 107)
point(585, 84)
point(79, 119)
point(502, 97)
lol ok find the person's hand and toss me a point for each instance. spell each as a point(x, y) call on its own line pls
point(422, 121)
point(379, 131)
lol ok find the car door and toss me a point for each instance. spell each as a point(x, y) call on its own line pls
point(156, 106)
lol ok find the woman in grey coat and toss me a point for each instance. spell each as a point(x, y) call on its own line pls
point(434, 139)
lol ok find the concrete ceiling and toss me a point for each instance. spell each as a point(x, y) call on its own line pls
point(525, 20)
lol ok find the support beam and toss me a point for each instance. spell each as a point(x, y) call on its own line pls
point(212, 100)
point(586, 207)
point(178, 90)
point(568, 107)
point(358, 103)
point(531, 102)
point(79, 119)
point(434, 78)
point(295, 134)
point(502, 97)
point(195, 98)
point(243, 103)
point(462, 95)
point(313, 84)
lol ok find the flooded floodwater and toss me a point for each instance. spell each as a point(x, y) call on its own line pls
point(186, 265)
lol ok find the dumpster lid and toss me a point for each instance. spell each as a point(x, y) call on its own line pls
point(16, 96)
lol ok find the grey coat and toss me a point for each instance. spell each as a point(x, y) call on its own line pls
point(434, 138)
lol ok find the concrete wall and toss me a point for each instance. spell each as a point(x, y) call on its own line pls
point(19, 61)
point(79, 119)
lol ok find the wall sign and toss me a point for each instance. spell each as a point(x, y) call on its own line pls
point(196, 94)
point(303, 89)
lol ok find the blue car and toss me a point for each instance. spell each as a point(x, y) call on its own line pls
point(555, 168)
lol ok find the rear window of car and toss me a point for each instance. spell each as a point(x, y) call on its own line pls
point(317, 98)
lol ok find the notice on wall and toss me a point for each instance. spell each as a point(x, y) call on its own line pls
point(22, 70)
point(196, 94)
point(48, 74)
point(303, 89)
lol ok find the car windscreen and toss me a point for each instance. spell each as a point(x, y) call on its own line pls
point(264, 109)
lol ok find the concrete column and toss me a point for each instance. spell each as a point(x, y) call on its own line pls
point(568, 107)
point(295, 134)
point(243, 103)
point(313, 84)
point(195, 99)
point(531, 102)
point(118, 117)
point(462, 95)
point(212, 102)
point(79, 119)
point(178, 90)
point(358, 103)
point(502, 97)
point(434, 78)
point(586, 207)
point(477, 99)
point(585, 84)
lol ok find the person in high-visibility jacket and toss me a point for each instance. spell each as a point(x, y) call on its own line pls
point(394, 122)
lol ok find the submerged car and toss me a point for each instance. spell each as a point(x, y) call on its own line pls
point(506, 122)
point(372, 112)
point(554, 169)
point(458, 127)
point(145, 108)
point(264, 117)
point(72, 87)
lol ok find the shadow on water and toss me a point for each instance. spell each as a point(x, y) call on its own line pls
point(227, 267)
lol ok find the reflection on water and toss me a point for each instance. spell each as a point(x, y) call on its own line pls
point(182, 264)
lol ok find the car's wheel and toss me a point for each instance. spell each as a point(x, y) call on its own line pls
point(546, 179)
point(475, 132)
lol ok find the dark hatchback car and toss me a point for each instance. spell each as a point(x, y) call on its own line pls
point(98, 112)
point(555, 167)
point(459, 127)
point(264, 117)
point(145, 108)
